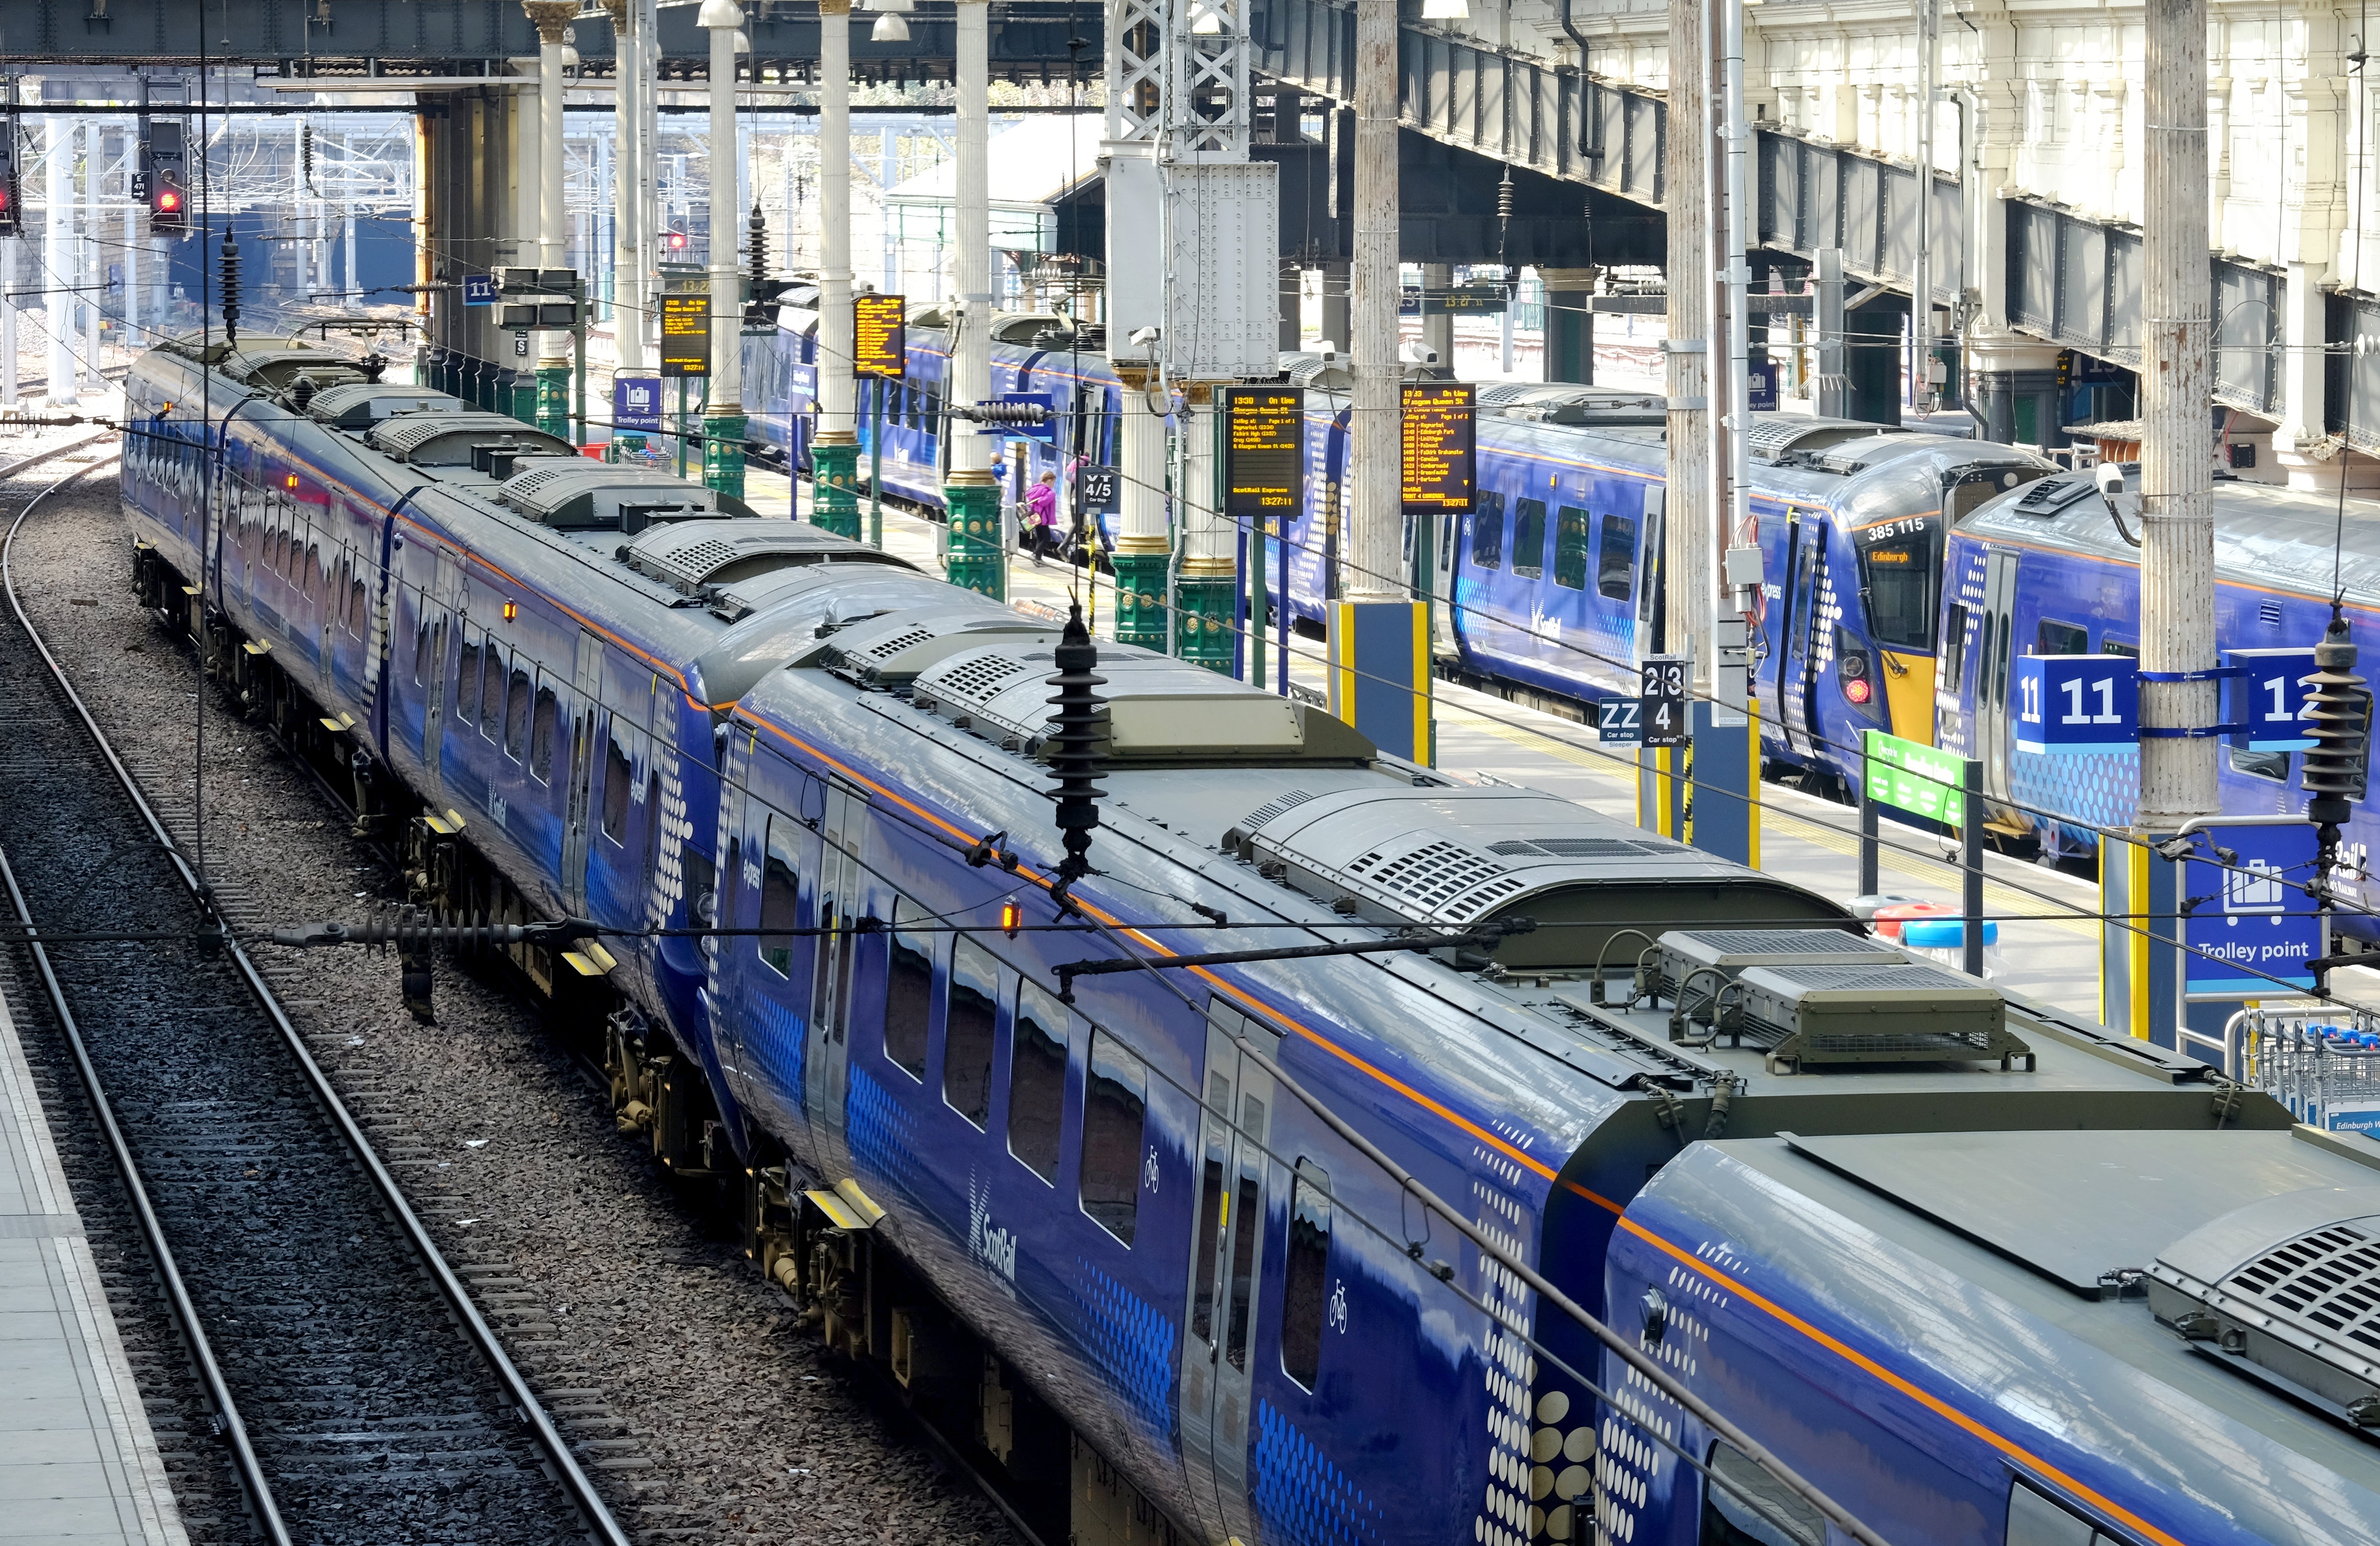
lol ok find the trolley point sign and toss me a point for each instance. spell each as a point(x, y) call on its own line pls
point(879, 336)
point(1438, 440)
point(1264, 452)
point(1921, 780)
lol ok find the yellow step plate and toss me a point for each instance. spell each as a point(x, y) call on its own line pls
point(842, 1212)
point(582, 965)
point(252, 648)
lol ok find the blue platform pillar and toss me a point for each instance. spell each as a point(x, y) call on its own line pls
point(1380, 674)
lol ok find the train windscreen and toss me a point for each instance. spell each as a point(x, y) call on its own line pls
point(1900, 579)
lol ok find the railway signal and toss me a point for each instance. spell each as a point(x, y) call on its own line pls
point(166, 177)
point(9, 222)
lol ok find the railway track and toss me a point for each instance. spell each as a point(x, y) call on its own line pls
point(359, 1393)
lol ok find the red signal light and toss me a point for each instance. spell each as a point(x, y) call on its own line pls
point(1858, 690)
point(677, 241)
point(169, 200)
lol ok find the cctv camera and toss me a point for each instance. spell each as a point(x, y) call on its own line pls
point(1146, 336)
point(2109, 479)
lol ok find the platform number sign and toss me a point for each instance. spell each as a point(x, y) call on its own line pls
point(1661, 702)
point(2077, 704)
point(1098, 491)
point(2268, 698)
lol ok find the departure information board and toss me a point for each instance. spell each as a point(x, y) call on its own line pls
point(1264, 452)
point(685, 335)
point(1438, 446)
point(879, 336)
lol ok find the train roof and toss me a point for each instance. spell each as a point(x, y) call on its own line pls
point(2264, 535)
point(2186, 1316)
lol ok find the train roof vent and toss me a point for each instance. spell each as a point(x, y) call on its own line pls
point(2052, 495)
point(1774, 434)
point(2287, 1292)
point(1911, 1013)
point(1464, 856)
point(1158, 710)
point(361, 404)
point(447, 440)
point(1023, 327)
point(574, 494)
point(275, 368)
point(890, 651)
point(711, 545)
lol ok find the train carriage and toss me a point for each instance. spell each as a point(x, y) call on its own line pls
point(1127, 1231)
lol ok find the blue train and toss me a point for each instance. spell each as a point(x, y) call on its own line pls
point(2046, 572)
point(1554, 574)
point(1119, 1241)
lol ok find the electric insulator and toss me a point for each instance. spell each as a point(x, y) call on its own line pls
point(1019, 414)
point(757, 242)
point(1074, 755)
point(1505, 198)
point(2338, 712)
point(228, 282)
point(306, 154)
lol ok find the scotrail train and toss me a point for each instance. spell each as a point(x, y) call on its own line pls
point(1988, 1276)
point(1554, 574)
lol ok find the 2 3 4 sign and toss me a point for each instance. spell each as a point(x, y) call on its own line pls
point(1661, 702)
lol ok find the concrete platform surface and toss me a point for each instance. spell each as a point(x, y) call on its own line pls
point(77, 1460)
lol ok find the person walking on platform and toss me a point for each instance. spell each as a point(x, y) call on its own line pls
point(1041, 518)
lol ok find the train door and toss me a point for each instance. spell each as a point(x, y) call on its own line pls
point(837, 908)
point(1994, 651)
point(1802, 626)
point(1652, 619)
point(585, 711)
point(439, 608)
point(1226, 1254)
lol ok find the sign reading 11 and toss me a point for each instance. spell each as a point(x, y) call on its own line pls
point(2078, 703)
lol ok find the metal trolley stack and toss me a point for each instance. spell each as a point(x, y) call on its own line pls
point(2322, 1064)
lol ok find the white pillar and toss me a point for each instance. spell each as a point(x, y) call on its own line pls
point(2178, 774)
point(1687, 521)
point(93, 271)
point(1142, 452)
point(551, 197)
point(1437, 331)
point(971, 352)
point(132, 337)
point(1374, 560)
point(57, 224)
point(9, 248)
point(722, 18)
point(837, 424)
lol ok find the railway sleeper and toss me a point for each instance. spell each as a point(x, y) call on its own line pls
point(871, 1307)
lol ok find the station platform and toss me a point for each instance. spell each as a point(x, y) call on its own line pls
point(77, 1460)
point(2049, 946)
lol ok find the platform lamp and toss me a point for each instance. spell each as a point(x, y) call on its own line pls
point(891, 23)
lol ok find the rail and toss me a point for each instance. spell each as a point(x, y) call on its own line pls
point(557, 1450)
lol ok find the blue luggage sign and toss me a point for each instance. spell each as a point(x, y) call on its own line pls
point(2255, 913)
point(637, 403)
point(478, 289)
point(2268, 697)
point(2077, 703)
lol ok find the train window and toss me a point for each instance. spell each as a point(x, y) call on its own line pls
point(1037, 1080)
point(781, 892)
point(1247, 1213)
point(467, 679)
point(1529, 537)
point(909, 1002)
point(2263, 765)
point(421, 652)
point(1210, 1210)
point(2114, 646)
point(314, 589)
point(540, 734)
point(653, 828)
point(1954, 647)
point(1306, 1283)
point(967, 1032)
point(1115, 1104)
point(2054, 638)
point(2033, 1520)
point(617, 776)
point(491, 691)
point(1782, 1519)
point(516, 714)
point(1615, 559)
point(1570, 548)
point(359, 606)
point(1900, 580)
point(1487, 530)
